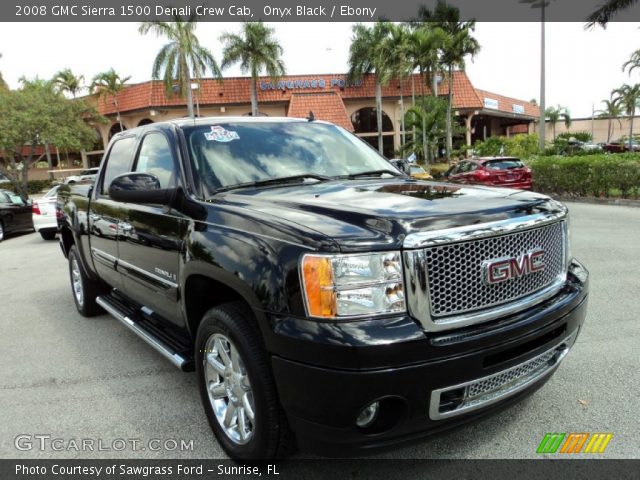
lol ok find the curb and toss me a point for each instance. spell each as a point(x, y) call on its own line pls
point(624, 202)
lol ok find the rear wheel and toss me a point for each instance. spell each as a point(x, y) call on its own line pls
point(237, 387)
point(48, 234)
point(1, 231)
point(85, 291)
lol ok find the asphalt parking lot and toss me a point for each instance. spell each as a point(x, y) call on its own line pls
point(73, 378)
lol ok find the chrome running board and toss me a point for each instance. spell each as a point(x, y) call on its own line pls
point(174, 357)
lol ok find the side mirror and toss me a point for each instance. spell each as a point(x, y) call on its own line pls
point(137, 187)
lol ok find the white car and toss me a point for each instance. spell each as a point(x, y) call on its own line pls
point(43, 212)
point(89, 174)
point(4, 179)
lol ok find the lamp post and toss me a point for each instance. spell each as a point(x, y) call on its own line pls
point(541, 4)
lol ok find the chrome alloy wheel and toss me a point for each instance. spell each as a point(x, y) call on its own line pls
point(76, 281)
point(229, 389)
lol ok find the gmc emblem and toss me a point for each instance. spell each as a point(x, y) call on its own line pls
point(509, 268)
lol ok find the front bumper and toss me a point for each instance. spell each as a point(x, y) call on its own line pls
point(324, 384)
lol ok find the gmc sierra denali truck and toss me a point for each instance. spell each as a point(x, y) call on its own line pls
point(325, 299)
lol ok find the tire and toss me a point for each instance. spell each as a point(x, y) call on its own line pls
point(1, 231)
point(245, 386)
point(84, 290)
point(48, 234)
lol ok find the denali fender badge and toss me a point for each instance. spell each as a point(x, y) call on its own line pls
point(509, 268)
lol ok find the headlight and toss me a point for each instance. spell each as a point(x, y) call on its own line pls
point(343, 286)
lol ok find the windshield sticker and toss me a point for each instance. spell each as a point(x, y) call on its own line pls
point(219, 134)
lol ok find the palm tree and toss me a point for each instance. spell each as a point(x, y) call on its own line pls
point(460, 43)
point(632, 63)
point(66, 81)
point(628, 97)
point(182, 59)
point(603, 14)
point(109, 84)
point(554, 114)
point(427, 119)
point(256, 49)
point(401, 66)
point(611, 111)
point(426, 42)
point(367, 54)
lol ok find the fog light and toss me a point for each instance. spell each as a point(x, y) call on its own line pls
point(368, 415)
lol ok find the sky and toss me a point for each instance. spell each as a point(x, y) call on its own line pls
point(582, 66)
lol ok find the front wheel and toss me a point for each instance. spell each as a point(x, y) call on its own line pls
point(237, 387)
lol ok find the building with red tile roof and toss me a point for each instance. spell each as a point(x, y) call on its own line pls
point(330, 97)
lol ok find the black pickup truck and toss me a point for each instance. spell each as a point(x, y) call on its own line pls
point(325, 299)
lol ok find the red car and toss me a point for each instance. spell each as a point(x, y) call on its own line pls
point(495, 171)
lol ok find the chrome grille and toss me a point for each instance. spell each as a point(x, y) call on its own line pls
point(484, 391)
point(455, 275)
point(509, 376)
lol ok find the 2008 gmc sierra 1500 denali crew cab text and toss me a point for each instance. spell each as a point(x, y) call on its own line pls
point(325, 299)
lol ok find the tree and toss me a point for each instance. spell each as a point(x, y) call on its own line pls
point(611, 111)
point(66, 81)
point(34, 116)
point(459, 44)
point(554, 114)
point(632, 63)
point(257, 50)
point(426, 42)
point(397, 46)
point(367, 54)
point(3, 84)
point(183, 59)
point(628, 97)
point(427, 120)
point(603, 14)
point(109, 84)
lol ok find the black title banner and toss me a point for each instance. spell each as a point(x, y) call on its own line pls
point(295, 10)
point(365, 469)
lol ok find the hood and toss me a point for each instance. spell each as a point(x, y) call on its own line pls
point(379, 214)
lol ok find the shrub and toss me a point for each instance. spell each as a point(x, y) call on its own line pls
point(580, 136)
point(521, 146)
point(33, 186)
point(593, 175)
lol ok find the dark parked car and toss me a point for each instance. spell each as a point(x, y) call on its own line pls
point(495, 171)
point(324, 298)
point(621, 146)
point(15, 214)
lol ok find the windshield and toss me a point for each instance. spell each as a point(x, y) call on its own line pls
point(229, 154)
point(416, 169)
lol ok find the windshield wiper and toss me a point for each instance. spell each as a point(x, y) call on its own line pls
point(371, 173)
point(299, 179)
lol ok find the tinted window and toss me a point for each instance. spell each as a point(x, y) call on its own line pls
point(3, 198)
point(230, 154)
point(15, 199)
point(464, 167)
point(503, 164)
point(155, 158)
point(118, 162)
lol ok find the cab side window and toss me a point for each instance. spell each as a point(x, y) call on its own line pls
point(118, 162)
point(155, 158)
